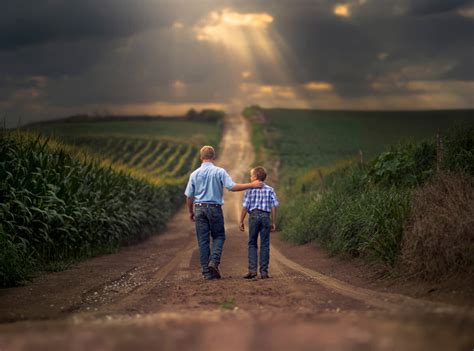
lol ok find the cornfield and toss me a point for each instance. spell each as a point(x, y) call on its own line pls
point(56, 206)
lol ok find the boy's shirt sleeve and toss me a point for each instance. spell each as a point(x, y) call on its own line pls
point(246, 201)
point(190, 188)
point(275, 202)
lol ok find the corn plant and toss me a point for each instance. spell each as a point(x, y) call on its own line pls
point(56, 207)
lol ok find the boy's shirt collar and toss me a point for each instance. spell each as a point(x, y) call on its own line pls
point(263, 187)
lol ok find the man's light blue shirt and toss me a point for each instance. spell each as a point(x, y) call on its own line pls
point(206, 184)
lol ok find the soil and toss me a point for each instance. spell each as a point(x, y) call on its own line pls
point(152, 296)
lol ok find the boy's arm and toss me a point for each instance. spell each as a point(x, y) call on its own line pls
point(274, 217)
point(275, 204)
point(242, 217)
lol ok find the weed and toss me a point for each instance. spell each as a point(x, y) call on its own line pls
point(439, 236)
point(228, 304)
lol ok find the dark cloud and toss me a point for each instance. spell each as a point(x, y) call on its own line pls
point(426, 7)
point(352, 52)
point(330, 49)
point(31, 23)
point(54, 60)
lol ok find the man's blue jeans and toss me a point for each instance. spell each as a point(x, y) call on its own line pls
point(259, 222)
point(209, 223)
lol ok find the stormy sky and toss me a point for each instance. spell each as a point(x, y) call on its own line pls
point(62, 57)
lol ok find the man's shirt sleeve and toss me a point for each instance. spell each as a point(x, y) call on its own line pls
point(190, 187)
point(227, 180)
point(275, 202)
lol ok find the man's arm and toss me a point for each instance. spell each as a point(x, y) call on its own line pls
point(190, 204)
point(274, 218)
point(189, 192)
point(242, 217)
point(253, 185)
point(230, 185)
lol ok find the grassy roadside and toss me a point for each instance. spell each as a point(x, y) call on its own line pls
point(367, 209)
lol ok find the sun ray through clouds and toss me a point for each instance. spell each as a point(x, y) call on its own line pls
point(250, 39)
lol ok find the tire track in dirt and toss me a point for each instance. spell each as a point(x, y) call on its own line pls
point(123, 293)
point(141, 292)
point(387, 301)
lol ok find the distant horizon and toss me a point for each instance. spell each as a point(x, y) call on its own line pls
point(118, 116)
point(131, 115)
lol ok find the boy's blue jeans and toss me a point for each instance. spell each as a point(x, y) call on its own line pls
point(209, 223)
point(259, 222)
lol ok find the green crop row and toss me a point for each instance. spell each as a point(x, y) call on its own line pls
point(55, 207)
point(162, 159)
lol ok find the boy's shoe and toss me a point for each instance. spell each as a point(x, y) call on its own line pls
point(209, 277)
point(264, 276)
point(214, 270)
point(250, 275)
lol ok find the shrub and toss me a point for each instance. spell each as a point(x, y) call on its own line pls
point(15, 261)
point(459, 150)
point(406, 165)
point(350, 217)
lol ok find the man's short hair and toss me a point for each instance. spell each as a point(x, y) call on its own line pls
point(207, 153)
point(260, 173)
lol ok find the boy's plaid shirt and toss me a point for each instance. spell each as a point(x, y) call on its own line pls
point(263, 199)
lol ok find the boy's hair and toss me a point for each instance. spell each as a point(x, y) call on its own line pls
point(260, 173)
point(207, 153)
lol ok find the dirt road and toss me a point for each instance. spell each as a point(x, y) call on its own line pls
point(152, 296)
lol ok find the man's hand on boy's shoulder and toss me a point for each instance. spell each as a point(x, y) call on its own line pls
point(257, 184)
point(242, 226)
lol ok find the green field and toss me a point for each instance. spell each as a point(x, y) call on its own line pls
point(304, 139)
point(178, 129)
point(163, 149)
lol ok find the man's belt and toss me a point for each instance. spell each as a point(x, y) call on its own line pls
point(206, 205)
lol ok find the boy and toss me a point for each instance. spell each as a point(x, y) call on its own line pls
point(259, 203)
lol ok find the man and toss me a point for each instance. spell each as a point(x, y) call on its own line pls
point(204, 200)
